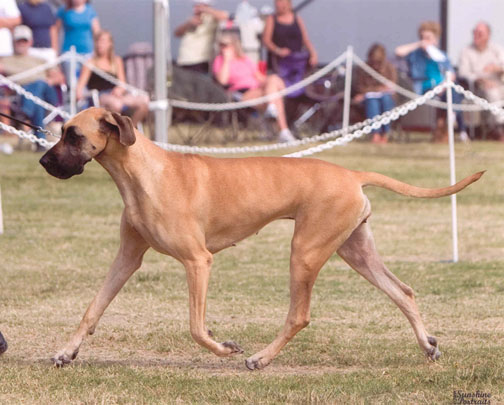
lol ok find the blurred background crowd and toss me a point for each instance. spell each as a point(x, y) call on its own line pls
point(242, 53)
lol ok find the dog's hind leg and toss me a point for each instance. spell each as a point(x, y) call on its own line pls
point(313, 243)
point(127, 261)
point(360, 253)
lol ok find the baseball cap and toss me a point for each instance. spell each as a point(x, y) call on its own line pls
point(22, 32)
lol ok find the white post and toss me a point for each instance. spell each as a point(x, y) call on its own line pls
point(160, 71)
point(348, 87)
point(73, 80)
point(451, 143)
point(1, 215)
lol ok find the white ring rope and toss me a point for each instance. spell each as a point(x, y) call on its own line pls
point(298, 142)
point(38, 69)
point(20, 90)
point(484, 104)
point(386, 119)
point(369, 126)
point(412, 95)
point(25, 135)
point(264, 99)
point(188, 105)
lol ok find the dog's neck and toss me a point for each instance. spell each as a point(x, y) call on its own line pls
point(133, 168)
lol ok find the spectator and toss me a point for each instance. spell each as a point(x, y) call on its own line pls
point(79, 22)
point(198, 36)
point(41, 85)
point(37, 15)
point(251, 26)
point(112, 97)
point(482, 63)
point(285, 36)
point(9, 18)
point(236, 71)
point(377, 97)
point(428, 65)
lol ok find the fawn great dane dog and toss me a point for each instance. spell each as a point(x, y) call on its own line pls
point(191, 207)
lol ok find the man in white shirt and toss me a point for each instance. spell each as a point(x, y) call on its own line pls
point(198, 36)
point(482, 63)
point(9, 18)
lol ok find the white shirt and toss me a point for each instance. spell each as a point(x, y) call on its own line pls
point(8, 9)
point(472, 62)
point(197, 46)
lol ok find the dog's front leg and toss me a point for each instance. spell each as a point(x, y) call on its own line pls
point(128, 259)
point(198, 274)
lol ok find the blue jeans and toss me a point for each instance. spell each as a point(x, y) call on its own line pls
point(378, 105)
point(33, 111)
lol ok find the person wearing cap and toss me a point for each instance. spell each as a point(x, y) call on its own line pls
point(198, 36)
point(40, 84)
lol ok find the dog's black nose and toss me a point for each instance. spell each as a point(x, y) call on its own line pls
point(44, 160)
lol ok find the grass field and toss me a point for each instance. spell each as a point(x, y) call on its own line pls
point(60, 237)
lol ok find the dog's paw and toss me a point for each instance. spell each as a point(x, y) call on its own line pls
point(62, 359)
point(433, 352)
point(256, 363)
point(232, 347)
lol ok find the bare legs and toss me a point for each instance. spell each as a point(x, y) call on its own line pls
point(272, 85)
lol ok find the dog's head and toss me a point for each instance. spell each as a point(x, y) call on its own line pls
point(83, 138)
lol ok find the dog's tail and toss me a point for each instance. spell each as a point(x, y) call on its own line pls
point(379, 180)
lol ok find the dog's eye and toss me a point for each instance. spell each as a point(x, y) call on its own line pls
point(72, 138)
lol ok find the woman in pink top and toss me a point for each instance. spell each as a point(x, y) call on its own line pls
point(235, 70)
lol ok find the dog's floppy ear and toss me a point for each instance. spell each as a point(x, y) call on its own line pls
point(125, 127)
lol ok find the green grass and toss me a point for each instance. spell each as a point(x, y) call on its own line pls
point(61, 236)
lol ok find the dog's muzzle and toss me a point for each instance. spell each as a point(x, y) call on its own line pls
point(62, 168)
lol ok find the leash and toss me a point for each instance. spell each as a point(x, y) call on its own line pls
point(35, 127)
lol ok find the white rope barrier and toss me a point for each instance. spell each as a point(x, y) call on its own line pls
point(481, 102)
point(264, 99)
point(344, 135)
point(25, 135)
point(410, 94)
point(20, 90)
point(396, 114)
point(38, 69)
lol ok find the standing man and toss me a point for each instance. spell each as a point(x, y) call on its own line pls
point(198, 36)
point(482, 63)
